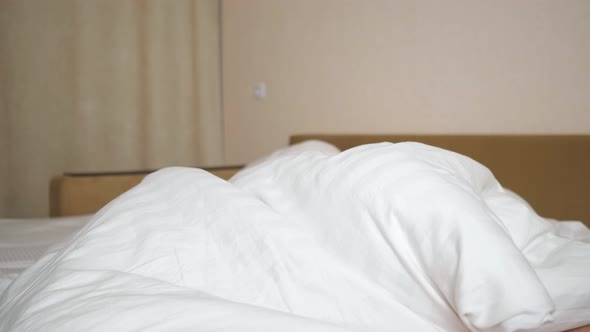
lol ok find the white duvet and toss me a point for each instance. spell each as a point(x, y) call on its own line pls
point(382, 237)
point(24, 241)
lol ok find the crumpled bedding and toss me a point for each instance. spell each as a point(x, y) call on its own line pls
point(24, 241)
point(382, 237)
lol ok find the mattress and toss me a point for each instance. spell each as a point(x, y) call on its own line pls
point(24, 241)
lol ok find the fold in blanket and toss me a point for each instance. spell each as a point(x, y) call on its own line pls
point(377, 238)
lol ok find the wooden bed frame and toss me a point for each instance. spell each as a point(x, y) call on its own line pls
point(74, 194)
point(552, 172)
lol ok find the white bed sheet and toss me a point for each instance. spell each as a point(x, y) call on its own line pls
point(24, 241)
point(383, 237)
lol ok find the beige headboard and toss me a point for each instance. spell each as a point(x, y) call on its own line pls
point(552, 172)
point(76, 194)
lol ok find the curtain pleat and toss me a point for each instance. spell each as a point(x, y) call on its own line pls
point(92, 86)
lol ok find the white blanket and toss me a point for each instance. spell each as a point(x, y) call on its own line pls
point(383, 237)
point(24, 241)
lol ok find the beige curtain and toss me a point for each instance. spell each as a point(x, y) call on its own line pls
point(104, 85)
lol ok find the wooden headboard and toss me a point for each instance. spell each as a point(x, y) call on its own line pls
point(85, 193)
point(552, 172)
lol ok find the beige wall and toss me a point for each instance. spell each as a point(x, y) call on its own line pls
point(90, 86)
point(402, 66)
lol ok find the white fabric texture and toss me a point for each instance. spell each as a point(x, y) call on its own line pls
point(382, 237)
point(24, 241)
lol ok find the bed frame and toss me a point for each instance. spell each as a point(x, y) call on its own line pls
point(73, 194)
point(552, 172)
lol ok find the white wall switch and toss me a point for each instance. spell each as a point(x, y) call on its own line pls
point(260, 90)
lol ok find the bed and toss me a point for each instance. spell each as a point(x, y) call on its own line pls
point(74, 198)
point(74, 194)
point(520, 162)
point(550, 172)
